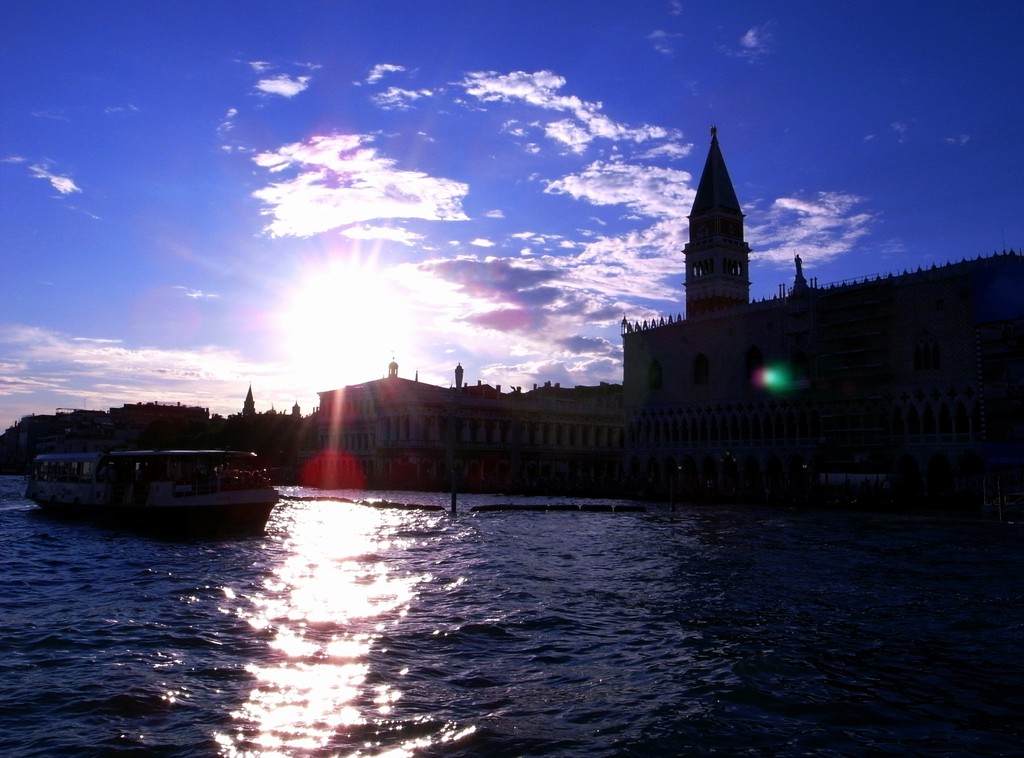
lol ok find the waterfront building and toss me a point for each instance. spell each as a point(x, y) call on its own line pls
point(401, 433)
point(76, 430)
point(141, 415)
point(893, 385)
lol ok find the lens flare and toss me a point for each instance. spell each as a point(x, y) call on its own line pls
point(776, 378)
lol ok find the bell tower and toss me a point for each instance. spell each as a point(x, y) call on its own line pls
point(717, 257)
point(249, 406)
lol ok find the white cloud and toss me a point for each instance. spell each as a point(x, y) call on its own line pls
point(283, 85)
point(670, 150)
point(380, 70)
point(754, 44)
point(638, 261)
point(403, 236)
point(481, 242)
point(196, 294)
point(339, 180)
point(396, 98)
point(663, 41)
point(63, 184)
point(541, 90)
point(226, 125)
point(573, 135)
point(130, 108)
point(818, 229)
point(751, 40)
point(649, 190)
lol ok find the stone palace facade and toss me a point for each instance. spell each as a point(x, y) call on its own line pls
point(401, 433)
point(900, 385)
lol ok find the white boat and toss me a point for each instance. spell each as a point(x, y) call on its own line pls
point(200, 492)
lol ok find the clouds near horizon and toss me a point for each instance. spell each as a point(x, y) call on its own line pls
point(337, 180)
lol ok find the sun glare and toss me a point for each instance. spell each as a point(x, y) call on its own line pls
point(344, 322)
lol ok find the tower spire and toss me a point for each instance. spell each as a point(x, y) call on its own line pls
point(249, 406)
point(715, 189)
point(717, 256)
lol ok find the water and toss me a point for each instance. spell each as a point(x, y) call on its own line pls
point(349, 630)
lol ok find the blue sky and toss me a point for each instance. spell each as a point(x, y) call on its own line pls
point(196, 196)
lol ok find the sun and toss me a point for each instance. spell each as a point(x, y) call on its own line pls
point(342, 322)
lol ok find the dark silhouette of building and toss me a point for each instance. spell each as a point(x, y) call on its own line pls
point(141, 415)
point(890, 386)
point(400, 433)
point(249, 406)
point(74, 430)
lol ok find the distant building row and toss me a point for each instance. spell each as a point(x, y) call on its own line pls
point(70, 430)
point(396, 432)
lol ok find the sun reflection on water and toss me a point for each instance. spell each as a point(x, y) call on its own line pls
point(325, 605)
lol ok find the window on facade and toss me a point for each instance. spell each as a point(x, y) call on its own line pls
point(928, 426)
point(945, 420)
point(801, 369)
point(654, 379)
point(926, 355)
point(913, 422)
point(755, 361)
point(701, 369)
point(961, 422)
point(702, 268)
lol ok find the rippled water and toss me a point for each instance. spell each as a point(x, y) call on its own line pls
point(349, 630)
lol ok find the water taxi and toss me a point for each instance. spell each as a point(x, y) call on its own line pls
point(200, 492)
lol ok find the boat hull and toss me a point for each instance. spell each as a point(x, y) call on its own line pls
point(208, 520)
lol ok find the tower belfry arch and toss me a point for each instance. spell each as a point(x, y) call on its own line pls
point(717, 255)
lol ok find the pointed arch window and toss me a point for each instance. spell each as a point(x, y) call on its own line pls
point(913, 422)
point(701, 370)
point(926, 355)
point(897, 423)
point(928, 422)
point(945, 420)
point(801, 369)
point(703, 268)
point(654, 376)
point(961, 425)
point(755, 362)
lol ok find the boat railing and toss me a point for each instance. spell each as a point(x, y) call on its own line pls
point(221, 482)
